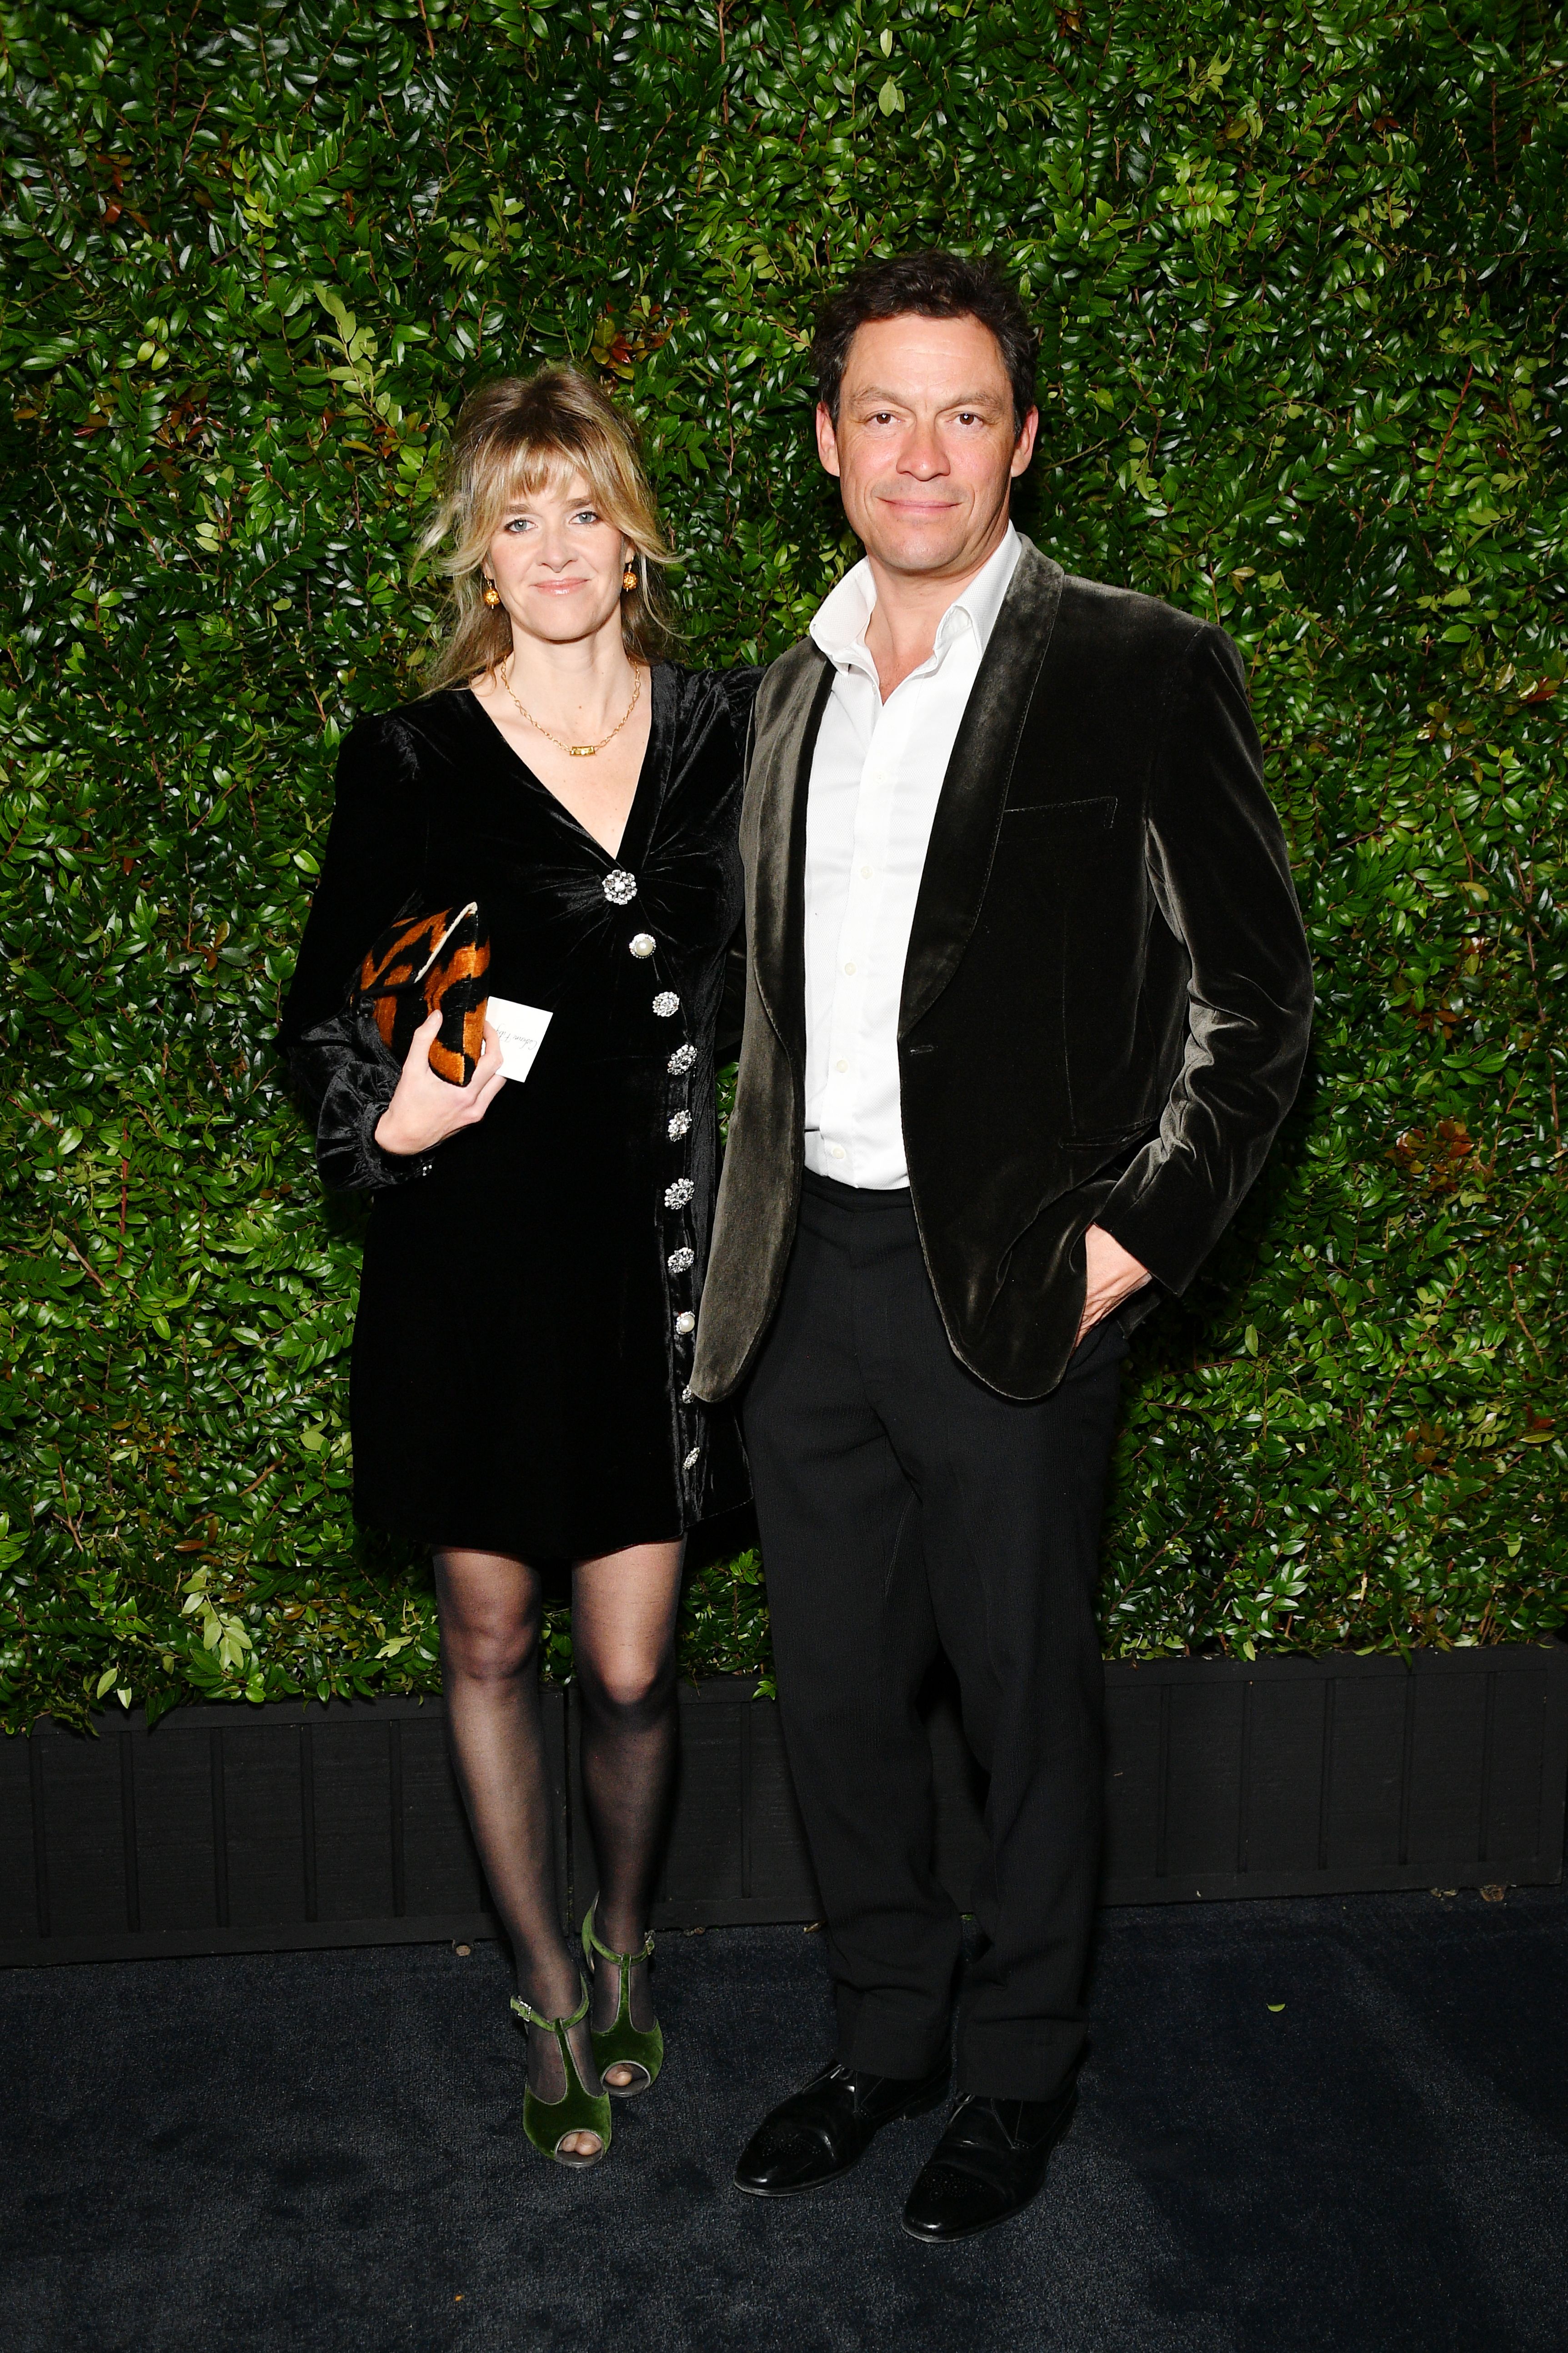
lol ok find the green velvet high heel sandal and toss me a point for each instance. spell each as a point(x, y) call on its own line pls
point(548, 2122)
point(624, 2044)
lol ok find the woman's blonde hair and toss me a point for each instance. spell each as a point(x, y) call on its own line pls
point(515, 438)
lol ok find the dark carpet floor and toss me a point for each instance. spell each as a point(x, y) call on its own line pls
point(325, 2150)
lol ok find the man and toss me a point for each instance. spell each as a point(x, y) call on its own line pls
point(1028, 995)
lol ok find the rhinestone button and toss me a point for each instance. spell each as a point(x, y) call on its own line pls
point(681, 1061)
point(693, 1459)
point(642, 944)
point(686, 1321)
point(620, 888)
point(686, 1394)
point(681, 1262)
point(665, 1003)
point(677, 1195)
point(680, 1125)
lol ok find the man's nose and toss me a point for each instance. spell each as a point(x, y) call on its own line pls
point(922, 454)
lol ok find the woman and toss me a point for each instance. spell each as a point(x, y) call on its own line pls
point(536, 1249)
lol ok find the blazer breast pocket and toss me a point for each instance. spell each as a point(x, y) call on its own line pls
point(1097, 816)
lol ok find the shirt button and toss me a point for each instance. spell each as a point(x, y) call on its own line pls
point(866, 871)
point(836, 1151)
point(841, 1065)
point(848, 967)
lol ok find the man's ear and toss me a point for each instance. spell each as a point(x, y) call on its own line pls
point(827, 439)
point(1023, 447)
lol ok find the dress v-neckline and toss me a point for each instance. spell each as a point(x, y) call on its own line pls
point(633, 832)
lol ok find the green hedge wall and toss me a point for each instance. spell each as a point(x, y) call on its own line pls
point(1299, 278)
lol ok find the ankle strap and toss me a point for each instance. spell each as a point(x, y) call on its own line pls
point(591, 1945)
point(531, 2017)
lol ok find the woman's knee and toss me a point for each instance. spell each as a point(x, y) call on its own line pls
point(490, 1654)
point(489, 1624)
point(627, 1684)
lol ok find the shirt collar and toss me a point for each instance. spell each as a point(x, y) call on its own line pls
point(839, 624)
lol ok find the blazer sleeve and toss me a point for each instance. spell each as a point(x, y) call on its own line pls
point(1221, 875)
point(372, 870)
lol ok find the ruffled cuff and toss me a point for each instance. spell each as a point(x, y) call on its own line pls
point(348, 1078)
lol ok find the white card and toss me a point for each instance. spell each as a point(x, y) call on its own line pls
point(521, 1029)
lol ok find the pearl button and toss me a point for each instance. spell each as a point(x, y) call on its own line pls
point(686, 1321)
point(836, 1151)
point(642, 944)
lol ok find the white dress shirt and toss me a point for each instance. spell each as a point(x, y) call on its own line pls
point(875, 776)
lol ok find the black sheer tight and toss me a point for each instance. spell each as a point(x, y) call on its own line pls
point(623, 1652)
point(624, 1610)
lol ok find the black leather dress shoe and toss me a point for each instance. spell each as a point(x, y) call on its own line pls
point(820, 2131)
point(987, 2166)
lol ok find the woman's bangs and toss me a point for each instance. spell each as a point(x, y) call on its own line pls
point(531, 469)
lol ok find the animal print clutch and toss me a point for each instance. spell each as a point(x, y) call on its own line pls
point(423, 963)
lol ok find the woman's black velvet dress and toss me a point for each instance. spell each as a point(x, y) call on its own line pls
point(530, 1289)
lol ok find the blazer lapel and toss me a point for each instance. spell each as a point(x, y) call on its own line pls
point(969, 811)
point(777, 791)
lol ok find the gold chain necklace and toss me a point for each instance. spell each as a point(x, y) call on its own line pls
point(577, 751)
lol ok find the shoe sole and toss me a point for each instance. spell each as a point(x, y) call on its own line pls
point(825, 2180)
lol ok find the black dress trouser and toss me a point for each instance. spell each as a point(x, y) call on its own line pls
point(904, 1507)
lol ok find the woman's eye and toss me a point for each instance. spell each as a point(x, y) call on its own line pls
point(586, 515)
point(519, 522)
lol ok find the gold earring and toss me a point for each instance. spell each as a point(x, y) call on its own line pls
point(493, 595)
point(628, 578)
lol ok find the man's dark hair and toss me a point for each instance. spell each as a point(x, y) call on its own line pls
point(929, 285)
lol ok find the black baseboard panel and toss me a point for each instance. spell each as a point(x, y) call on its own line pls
point(232, 1829)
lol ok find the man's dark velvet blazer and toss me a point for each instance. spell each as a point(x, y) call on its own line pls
point(1106, 997)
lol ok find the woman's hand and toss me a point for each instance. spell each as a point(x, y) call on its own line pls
point(426, 1110)
point(1112, 1275)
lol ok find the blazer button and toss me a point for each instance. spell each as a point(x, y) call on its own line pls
point(686, 1321)
point(642, 944)
point(619, 887)
point(665, 1003)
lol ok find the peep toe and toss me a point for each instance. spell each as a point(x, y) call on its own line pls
point(548, 2122)
point(623, 2044)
